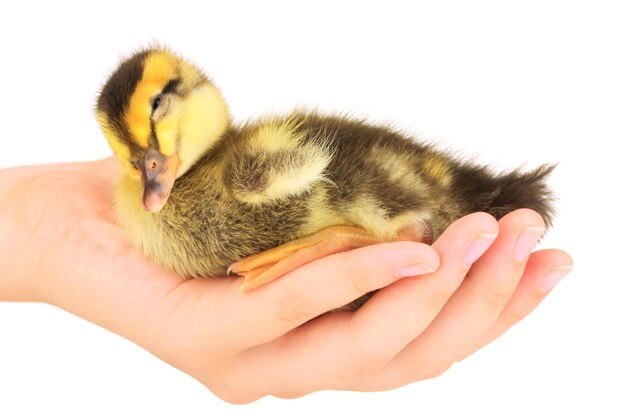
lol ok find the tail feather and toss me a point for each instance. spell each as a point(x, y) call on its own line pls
point(499, 195)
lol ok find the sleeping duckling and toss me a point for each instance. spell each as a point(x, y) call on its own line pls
point(205, 197)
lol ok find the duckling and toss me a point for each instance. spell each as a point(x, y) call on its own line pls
point(203, 196)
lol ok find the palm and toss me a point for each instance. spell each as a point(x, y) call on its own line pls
point(177, 312)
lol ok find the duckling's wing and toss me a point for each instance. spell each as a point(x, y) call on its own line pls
point(275, 162)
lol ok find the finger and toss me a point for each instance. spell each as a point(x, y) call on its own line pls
point(315, 288)
point(472, 310)
point(543, 271)
point(412, 304)
point(340, 347)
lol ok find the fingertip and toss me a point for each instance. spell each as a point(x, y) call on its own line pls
point(523, 217)
point(565, 257)
point(560, 257)
point(485, 222)
point(549, 258)
point(461, 233)
point(480, 221)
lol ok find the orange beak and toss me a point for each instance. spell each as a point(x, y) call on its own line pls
point(158, 174)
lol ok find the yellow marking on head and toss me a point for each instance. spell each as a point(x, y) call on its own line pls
point(203, 119)
point(166, 128)
point(120, 149)
point(158, 68)
point(438, 169)
point(190, 125)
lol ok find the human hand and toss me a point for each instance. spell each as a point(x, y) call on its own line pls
point(62, 246)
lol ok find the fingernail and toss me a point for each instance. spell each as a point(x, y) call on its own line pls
point(412, 270)
point(478, 247)
point(526, 241)
point(553, 277)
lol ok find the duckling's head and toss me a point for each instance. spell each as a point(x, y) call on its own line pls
point(160, 114)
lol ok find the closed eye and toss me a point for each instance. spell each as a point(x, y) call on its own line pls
point(155, 103)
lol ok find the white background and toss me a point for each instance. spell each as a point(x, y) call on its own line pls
point(509, 84)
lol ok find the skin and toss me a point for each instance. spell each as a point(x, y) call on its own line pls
point(66, 249)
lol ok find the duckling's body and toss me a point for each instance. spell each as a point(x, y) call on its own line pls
point(261, 185)
point(228, 206)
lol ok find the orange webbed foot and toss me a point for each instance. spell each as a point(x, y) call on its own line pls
point(273, 263)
